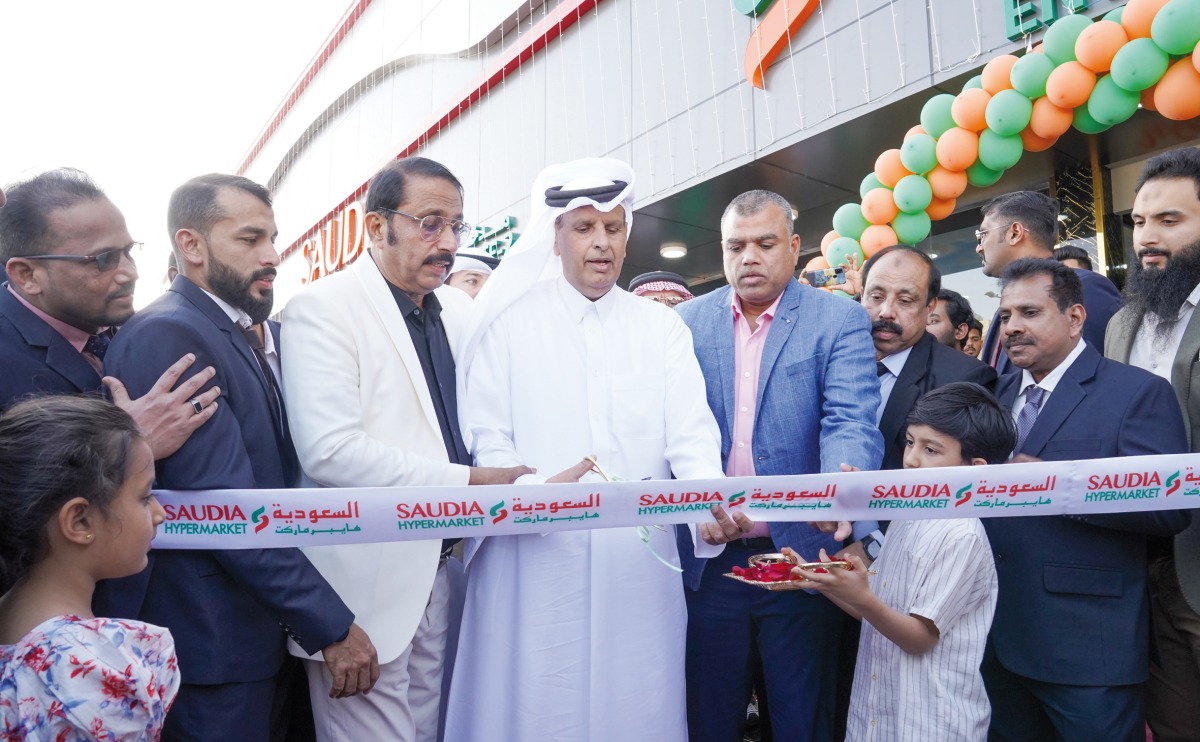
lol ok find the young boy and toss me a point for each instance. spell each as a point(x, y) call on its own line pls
point(927, 611)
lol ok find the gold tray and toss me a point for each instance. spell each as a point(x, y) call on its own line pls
point(786, 585)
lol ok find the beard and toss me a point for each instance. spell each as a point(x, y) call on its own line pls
point(237, 291)
point(1161, 292)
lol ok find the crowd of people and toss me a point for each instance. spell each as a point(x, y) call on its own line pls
point(424, 364)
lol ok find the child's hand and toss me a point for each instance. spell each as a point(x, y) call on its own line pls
point(847, 585)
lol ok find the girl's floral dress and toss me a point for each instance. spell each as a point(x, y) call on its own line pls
point(73, 679)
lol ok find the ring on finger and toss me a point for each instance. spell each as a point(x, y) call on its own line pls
point(195, 403)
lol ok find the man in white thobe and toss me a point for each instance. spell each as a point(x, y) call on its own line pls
point(580, 635)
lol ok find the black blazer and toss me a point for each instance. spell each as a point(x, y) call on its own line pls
point(228, 610)
point(1072, 607)
point(929, 366)
point(35, 359)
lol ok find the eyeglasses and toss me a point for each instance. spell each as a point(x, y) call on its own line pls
point(432, 225)
point(105, 260)
point(979, 233)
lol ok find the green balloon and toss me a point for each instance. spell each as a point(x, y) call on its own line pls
point(974, 82)
point(1030, 73)
point(842, 248)
point(1085, 123)
point(869, 183)
point(1008, 112)
point(1176, 27)
point(1139, 64)
point(1111, 104)
point(911, 228)
point(849, 222)
point(935, 115)
point(1059, 43)
point(981, 176)
point(999, 152)
point(919, 154)
point(1114, 15)
point(912, 194)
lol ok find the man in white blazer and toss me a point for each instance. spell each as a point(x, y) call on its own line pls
point(370, 385)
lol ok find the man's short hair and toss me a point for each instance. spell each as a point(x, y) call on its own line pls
point(386, 190)
point(1066, 289)
point(1178, 163)
point(957, 307)
point(935, 276)
point(194, 204)
point(25, 219)
point(1073, 252)
point(974, 324)
point(1037, 212)
point(969, 414)
point(752, 202)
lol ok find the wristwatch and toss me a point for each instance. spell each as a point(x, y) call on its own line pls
point(872, 543)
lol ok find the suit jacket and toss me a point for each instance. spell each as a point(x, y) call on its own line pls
point(362, 416)
point(1185, 376)
point(816, 401)
point(929, 366)
point(35, 358)
point(1101, 300)
point(224, 608)
point(1073, 607)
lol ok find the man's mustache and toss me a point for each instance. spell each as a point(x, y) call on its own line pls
point(885, 325)
point(444, 256)
point(1152, 251)
point(1012, 342)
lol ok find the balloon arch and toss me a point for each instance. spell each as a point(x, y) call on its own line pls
point(1091, 75)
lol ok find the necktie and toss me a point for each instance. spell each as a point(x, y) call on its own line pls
point(881, 369)
point(1028, 414)
point(97, 344)
point(274, 399)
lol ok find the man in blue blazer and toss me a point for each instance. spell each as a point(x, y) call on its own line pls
point(791, 381)
point(1068, 651)
point(1024, 224)
point(230, 611)
point(68, 257)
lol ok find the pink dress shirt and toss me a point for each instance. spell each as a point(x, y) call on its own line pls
point(73, 335)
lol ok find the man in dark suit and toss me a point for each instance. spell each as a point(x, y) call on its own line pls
point(69, 261)
point(1069, 646)
point(788, 376)
point(1024, 224)
point(229, 611)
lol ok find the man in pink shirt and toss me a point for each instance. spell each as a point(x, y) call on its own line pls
point(790, 378)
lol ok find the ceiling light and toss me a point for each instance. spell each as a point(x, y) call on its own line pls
point(933, 256)
point(673, 250)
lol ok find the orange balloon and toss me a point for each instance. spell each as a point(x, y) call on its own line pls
point(876, 237)
point(958, 149)
point(1177, 94)
point(996, 73)
point(878, 206)
point(1148, 96)
point(1196, 58)
point(1098, 44)
point(1034, 143)
point(1069, 85)
point(818, 263)
point(969, 108)
point(889, 168)
point(1037, 49)
point(940, 208)
point(946, 184)
point(830, 236)
point(1138, 15)
point(918, 129)
point(1048, 120)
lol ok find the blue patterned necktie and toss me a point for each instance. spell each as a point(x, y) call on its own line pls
point(97, 345)
point(1028, 414)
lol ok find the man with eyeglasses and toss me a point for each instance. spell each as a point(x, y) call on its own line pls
point(370, 375)
point(69, 261)
point(1024, 224)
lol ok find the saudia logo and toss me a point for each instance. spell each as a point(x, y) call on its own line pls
point(1136, 485)
point(678, 502)
point(456, 514)
point(1173, 484)
point(209, 520)
point(260, 519)
point(498, 512)
point(737, 498)
point(934, 495)
point(775, 31)
point(962, 496)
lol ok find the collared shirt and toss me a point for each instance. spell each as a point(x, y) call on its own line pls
point(895, 364)
point(242, 320)
point(73, 335)
point(1048, 382)
point(1158, 355)
point(747, 352)
point(437, 363)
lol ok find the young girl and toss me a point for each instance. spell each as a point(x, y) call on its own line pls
point(76, 507)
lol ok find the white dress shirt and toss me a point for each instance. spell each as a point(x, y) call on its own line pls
point(1158, 355)
point(1048, 382)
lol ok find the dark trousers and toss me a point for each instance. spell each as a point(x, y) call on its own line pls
point(1173, 690)
point(1028, 710)
point(795, 633)
point(233, 711)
